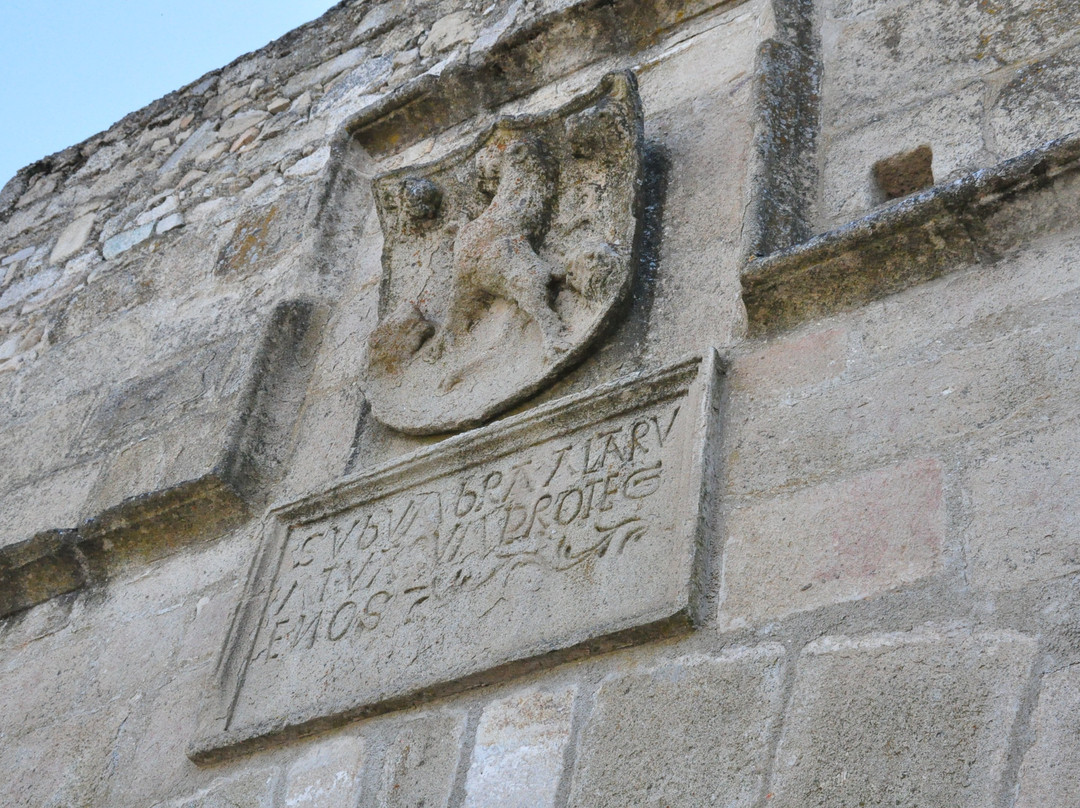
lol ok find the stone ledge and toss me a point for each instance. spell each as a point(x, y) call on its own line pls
point(977, 217)
point(39, 568)
point(55, 562)
point(522, 60)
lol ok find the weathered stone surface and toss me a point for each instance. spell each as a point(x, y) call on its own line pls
point(897, 53)
point(238, 124)
point(122, 242)
point(421, 762)
point(1011, 541)
point(788, 365)
point(587, 509)
point(164, 207)
point(38, 569)
point(72, 238)
point(529, 234)
point(25, 289)
point(952, 124)
point(18, 255)
point(447, 94)
point(690, 731)
point(1041, 102)
point(449, 31)
point(1051, 767)
point(517, 759)
point(326, 776)
point(56, 767)
point(901, 719)
point(149, 757)
point(250, 789)
point(703, 178)
point(831, 543)
point(170, 222)
point(58, 499)
point(933, 379)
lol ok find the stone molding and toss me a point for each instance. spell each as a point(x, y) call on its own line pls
point(946, 228)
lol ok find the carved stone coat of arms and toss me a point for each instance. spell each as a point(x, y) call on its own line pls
point(504, 261)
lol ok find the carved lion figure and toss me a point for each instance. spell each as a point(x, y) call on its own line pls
point(495, 255)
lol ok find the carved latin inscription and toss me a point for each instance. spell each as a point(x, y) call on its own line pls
point(474, 536)
point(571, 524)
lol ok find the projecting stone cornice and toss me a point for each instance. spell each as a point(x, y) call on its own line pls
point(54, 562)
point(978, 217)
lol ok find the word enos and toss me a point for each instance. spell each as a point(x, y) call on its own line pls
point(383, 561)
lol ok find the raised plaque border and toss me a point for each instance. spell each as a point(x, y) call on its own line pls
point(698, 378)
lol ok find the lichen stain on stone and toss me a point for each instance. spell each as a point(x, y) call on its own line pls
point(248, 245)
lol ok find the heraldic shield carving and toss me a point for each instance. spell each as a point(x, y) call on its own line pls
point(504, 261)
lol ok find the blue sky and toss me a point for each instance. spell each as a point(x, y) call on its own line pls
point(71, 68)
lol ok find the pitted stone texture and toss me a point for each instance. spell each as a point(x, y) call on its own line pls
point(897, 53)
point(1041, 102)
point(517, 760)
point(326, 776)
point(901, 719)
point(1025, 509)
point(831, 543)
point(690, 732)
point(1050, 774)
point(249, 789)
point(421, 762)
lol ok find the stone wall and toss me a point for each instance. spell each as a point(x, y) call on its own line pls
point(865, 563)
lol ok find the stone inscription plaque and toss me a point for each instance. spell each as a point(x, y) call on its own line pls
point(568, 528)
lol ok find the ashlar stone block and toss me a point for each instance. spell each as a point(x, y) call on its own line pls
point(901, 719)
point(689, 732)
point(792, 365)
point(421, 762)
point(831, 543)
point(518, 757)
point(326, 776)
point(1025, 515)
point(1050, 773)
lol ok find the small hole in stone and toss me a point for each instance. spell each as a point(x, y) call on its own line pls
point(905, 173)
